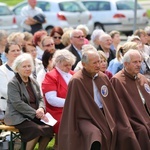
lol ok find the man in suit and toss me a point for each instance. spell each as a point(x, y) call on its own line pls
point(77, 41)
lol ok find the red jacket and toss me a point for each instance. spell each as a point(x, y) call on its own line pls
point(54, 82)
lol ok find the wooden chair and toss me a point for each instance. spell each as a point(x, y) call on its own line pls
point(14, 134)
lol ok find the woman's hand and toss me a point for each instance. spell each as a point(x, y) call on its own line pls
point(40, 113)
point(45, 118)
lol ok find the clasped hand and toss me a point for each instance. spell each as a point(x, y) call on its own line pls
point(41, 115)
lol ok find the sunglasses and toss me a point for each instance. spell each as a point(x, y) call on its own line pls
point(78, 37)
point(51, 44)
point(57, 37)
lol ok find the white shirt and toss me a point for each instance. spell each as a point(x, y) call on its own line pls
point(78, 51)
point(5, 76)
point(28, 11)
point(97, 98)
point(52, 97)
point(39, 52)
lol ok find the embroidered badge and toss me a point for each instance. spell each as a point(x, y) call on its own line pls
point(104, 90)
point(147, 88)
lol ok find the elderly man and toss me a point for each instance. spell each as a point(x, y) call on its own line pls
point(93, 117)
point(105, 44)
point(134, 93)
point(77, 41)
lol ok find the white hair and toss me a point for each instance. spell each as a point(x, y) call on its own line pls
point(103, 36)
point(132, 38)
point(20, 59)
point(63, 55)
point(128, 54)
point(96, 34)
point(84, 28)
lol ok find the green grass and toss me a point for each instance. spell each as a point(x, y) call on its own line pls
point(11, 2)
point(148, 13)
point(50, 145)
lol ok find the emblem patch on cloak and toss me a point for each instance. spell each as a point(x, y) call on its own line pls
point(104, 90)
point(147, 88)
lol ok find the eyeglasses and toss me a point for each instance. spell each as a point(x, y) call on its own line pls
point(51, 44)
point(78, 37)
point(57, 37)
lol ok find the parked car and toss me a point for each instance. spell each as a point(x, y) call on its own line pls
point(7, 19)
point(63, 13)
point(116, 15)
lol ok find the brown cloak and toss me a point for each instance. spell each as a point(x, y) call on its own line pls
point(127, 91)
point(83, 122)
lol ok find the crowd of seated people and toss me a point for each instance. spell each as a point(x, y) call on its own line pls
point(56, 58)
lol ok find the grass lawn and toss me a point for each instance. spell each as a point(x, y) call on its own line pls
point(11, 2)
point(148, 13)
point(50, 145)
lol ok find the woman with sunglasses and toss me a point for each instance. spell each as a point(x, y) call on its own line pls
point(56, 34)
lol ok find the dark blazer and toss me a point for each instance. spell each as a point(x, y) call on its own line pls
point(18, 103)
point(73, 51)
point(112, 54)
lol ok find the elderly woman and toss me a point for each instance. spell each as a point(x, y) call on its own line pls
point(12, 51)
point(25, 105)
point(55, 84)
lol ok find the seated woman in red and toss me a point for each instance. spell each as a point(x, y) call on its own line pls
point(55, 85)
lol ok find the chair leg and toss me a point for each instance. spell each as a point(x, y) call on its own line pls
point(23, 146)
point(11, 141)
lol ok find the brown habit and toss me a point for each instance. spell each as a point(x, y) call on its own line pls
point(126, 88)
point(83, 122)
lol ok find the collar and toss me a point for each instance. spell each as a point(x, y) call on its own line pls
point(129, 75)
point(76, 48)
point(30, 8)
point(88, 74)
point(19, 78)
point(61, 72)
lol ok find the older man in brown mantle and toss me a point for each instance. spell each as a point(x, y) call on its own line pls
point(93, 117)
point(134, 93)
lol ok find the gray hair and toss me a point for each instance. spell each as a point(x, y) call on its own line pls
point(147, 29)
point(128, 54)
point(20, 59)
point(85, 55)
point(3, 33)
point(104, 36)
point(84, 28)
point(96, 34)
point(74, 31)
point(63, 55)
point(87, 47)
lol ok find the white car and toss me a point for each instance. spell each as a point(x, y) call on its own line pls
point(63, 13)
point(7, 19)
point(116, 15)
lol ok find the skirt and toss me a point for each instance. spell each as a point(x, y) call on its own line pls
point(30, 129)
